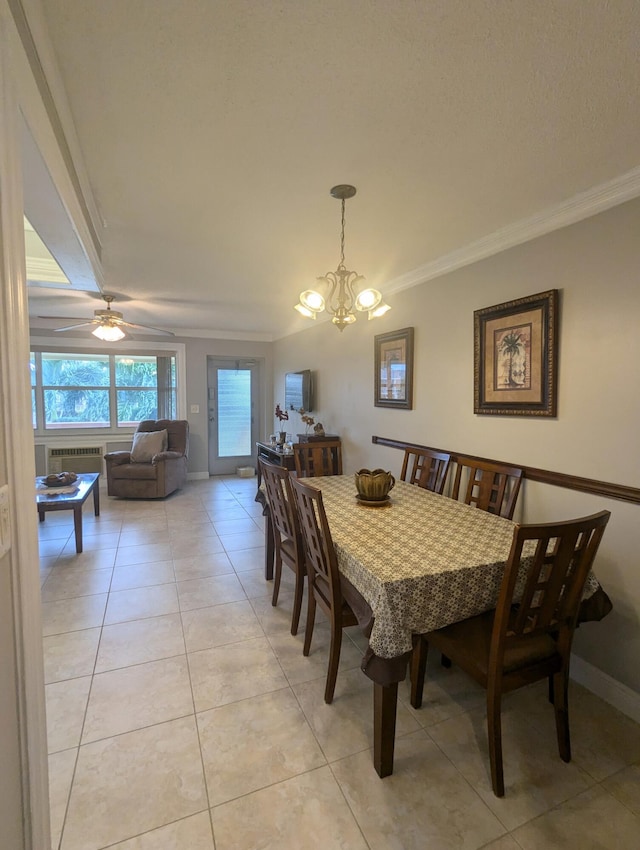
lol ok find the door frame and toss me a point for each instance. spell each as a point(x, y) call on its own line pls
point(15, 420)
point(257, 392)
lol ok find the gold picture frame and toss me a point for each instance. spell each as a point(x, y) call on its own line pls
point(515, 357)
point(393, 356)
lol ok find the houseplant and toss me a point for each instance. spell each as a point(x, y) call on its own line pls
point(318, 430)
point(281, 415)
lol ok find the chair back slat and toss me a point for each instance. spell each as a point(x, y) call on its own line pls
point(322, 564)
point(280, 499)
point(313, 459)
point(544, 579)
point(426, 468)
point(538, 574)
point(491, 487)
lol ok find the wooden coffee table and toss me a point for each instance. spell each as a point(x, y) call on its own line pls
point(51, 501)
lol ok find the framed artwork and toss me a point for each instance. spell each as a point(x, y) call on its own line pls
point(515, 357)
point(393, 353)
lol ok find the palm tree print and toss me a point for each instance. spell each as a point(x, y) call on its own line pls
point(510, 345)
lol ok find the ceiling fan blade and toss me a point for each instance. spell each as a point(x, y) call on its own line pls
point(145, 328)
point(65, 318)
point(107, 318)
point(74, 327)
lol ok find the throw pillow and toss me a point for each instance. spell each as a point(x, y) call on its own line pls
point(146, 444)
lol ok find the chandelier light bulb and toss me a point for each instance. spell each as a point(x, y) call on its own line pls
point(341, 321)
point(368, 299)
point(378, 311)
point(312, 300)
point(305, 311)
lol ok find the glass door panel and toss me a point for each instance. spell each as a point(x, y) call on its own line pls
point(233, 389)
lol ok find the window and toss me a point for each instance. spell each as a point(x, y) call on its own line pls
point(144, 385)
point(75, 390)
point(106, 391)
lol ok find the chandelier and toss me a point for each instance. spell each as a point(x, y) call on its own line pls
point(342, 287)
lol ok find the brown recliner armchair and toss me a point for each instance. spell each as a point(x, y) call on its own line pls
point(156, 464)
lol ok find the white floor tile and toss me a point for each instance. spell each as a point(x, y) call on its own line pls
point(177, 699)
point(137, 641)
point(134, 697)
point(140, 602)
point(132, 783)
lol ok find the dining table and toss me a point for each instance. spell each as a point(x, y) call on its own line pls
point(417, 562)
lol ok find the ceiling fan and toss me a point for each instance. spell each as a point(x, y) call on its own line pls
point(109, 324)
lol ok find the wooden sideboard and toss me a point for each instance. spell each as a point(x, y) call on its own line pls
point(275, 455)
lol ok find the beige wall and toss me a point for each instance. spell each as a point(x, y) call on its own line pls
point(197, 351)
point(595, 266)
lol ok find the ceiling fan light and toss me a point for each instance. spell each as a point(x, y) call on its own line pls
point(378, 311)
point(312, 300)
point(305, 311)
point(108, 333)
point(368, 299)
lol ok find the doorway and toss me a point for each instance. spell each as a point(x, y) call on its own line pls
point(233, 393)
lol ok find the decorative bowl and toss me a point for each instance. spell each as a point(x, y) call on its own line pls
point(61, 479)
point(374, 485)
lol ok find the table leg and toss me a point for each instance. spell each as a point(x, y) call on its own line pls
point(41, 514)
point(77, 524)
point(96, 498)
point(385, 701)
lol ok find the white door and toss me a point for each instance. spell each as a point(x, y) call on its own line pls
point(233, 392)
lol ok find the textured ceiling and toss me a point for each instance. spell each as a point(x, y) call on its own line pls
point(212, 132)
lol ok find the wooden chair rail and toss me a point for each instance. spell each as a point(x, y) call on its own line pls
point(545, 476)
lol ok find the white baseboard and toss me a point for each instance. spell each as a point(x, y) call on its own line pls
point(606, 687)
point(197, 476)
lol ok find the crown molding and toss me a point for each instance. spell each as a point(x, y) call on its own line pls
point(598, 199)
point(242, 336)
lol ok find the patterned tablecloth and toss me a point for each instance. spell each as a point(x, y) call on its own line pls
point(421, 563)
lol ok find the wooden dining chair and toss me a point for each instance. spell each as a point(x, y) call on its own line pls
point(287, 538)
point(426, 468)
point(318, 458)
point(323, 577)
point(492, 487)
point(528, 635)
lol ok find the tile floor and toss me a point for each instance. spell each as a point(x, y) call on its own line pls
point(182, 714)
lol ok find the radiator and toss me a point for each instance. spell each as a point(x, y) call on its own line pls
point(79, 459)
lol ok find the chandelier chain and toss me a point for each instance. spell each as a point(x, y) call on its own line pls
point(342, 236)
